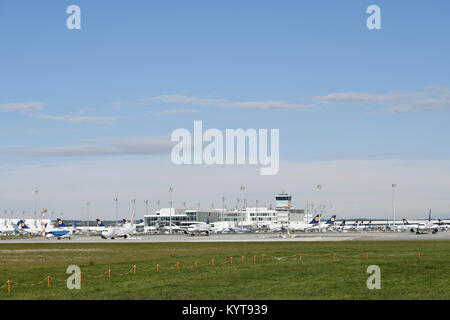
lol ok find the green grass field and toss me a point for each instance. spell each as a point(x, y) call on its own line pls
point(280, 275)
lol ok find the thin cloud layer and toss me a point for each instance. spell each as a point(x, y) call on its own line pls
point(180, 99)
point(77, 119)
point(221, 103)
point(178, 111)
point(432, 98)
point(98, 147)
point(22, 106)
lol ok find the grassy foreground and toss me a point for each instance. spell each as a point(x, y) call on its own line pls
point(288, 270)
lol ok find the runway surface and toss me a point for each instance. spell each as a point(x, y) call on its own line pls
point(350, 236)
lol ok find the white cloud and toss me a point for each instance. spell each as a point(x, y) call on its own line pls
point(431, 98)
point(179, 111)
point(22, 106)
point(98, 147)
point(77, 119)
point(221, 103)
point(180, 99)
point(265, 105)
point(366, 98)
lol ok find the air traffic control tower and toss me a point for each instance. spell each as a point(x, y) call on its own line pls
point(284, 208)
point(283, 201)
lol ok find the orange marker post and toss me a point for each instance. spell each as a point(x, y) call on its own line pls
point(80, 276)
point(254, 258)
point(109, 273)
point(333, 256)
point(157, 268)
point(196, 265)
point(419, 254)
point(367, 256)
point(48, 281)
point(178, 266)
point(9, 287)
point(134, 269)
point(213, 262)
point(231, 260)
point(242, 259)
point(300, 256)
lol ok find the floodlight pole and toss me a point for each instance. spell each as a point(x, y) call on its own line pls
point(223, 208)
point(133, 217)
point(393, 207)
point(319, 187)
point(244, 206)
point(35, 203)
point(171, 205)
point(146, 206)
point(87, 213)
point(116, 200)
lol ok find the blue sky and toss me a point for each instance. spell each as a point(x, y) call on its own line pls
point(137, 70)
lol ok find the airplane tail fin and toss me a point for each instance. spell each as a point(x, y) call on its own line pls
point(21, 224)
point(331, 220)
point(100, 223)
point(315, 220)
point(405, 222)
point(60, 223)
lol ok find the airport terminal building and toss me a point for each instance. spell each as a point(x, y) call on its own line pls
point(246, 216)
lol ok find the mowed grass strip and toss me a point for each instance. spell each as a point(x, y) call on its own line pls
point(281, 274)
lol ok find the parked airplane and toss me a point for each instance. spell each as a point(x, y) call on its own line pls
point(200, 229)
point(339, 228)
point(98, 228)
point(175, 229)
point(443, 226)
point(408, 226)
point(323, 226)
point(123, 231)
point(348, 227)
point(61, 231)
point(426, 227)
point(304, 226)
point(24, 229)
point(60, 223)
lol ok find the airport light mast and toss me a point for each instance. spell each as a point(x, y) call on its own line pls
point(35, 203)
point(393, 207)
point(146, 206)
point(256, 211)
point(116, 200)
point(171, 205)
point(244, 205)
point(319, 187)
point(133, 217)
point(87, 213)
